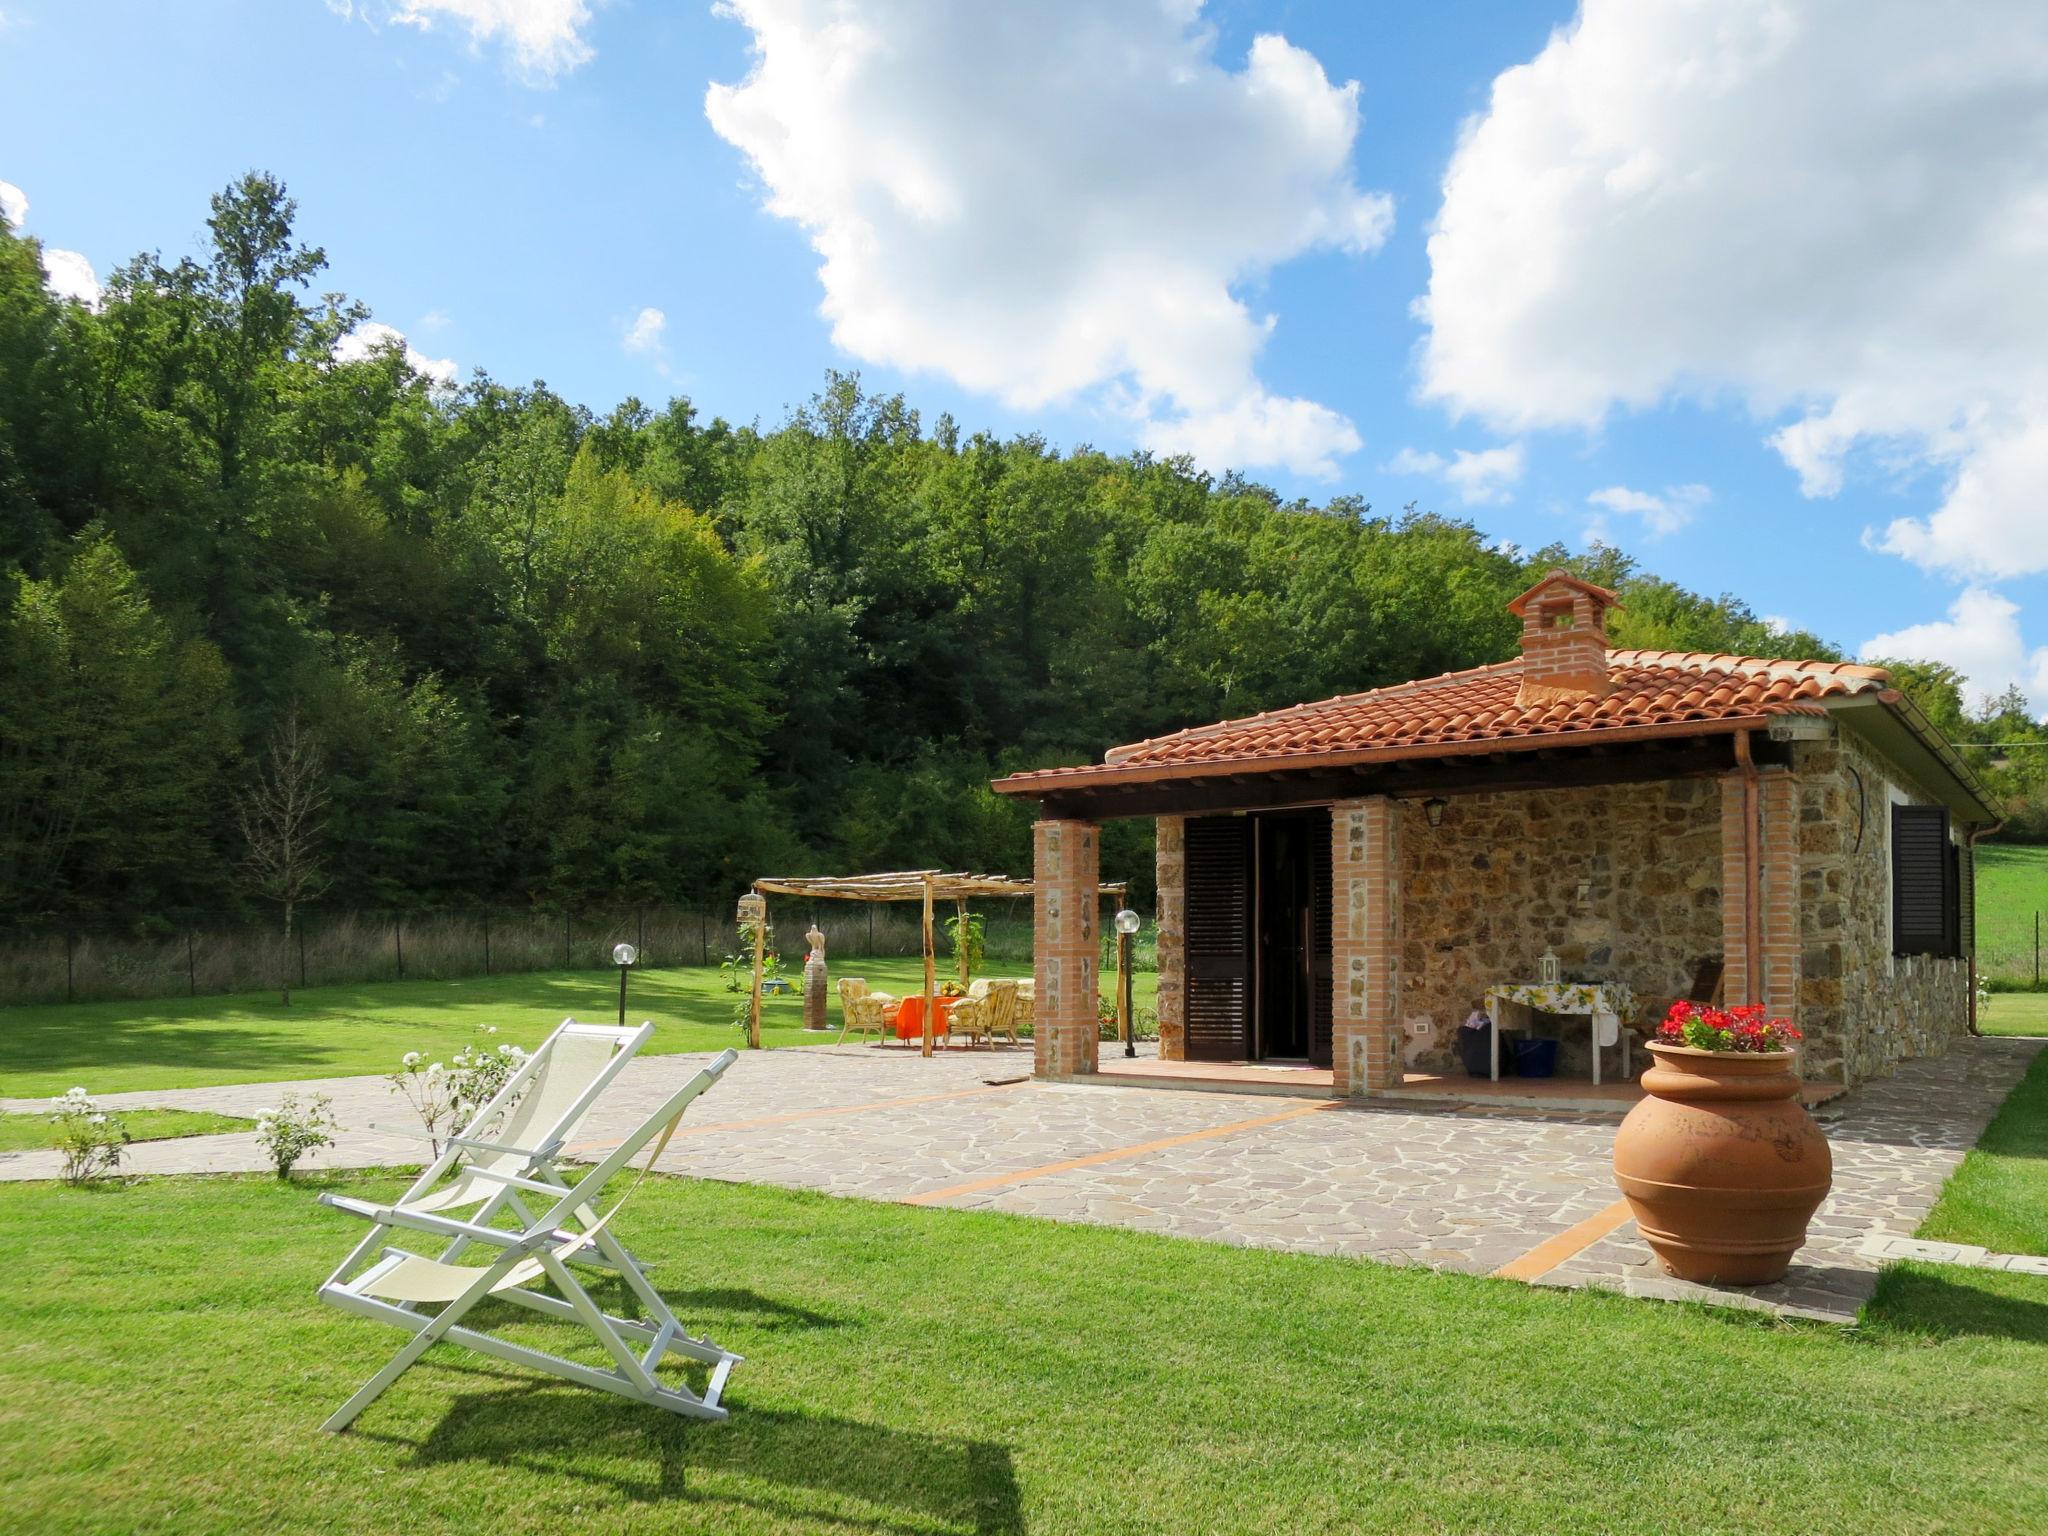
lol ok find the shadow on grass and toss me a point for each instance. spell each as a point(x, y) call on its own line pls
point(1941, 1302)
point(761, 1459)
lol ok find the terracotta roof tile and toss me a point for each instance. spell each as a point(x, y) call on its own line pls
point(1651, 688)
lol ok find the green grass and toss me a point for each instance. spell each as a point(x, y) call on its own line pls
point(164, 1366)
point(2015, 1013)
point(1998, 1197)
point(2012, 885)
point(338, 1031)
point(29, 1132)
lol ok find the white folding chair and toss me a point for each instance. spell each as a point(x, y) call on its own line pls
point(393, 1287)
point(533, 1115)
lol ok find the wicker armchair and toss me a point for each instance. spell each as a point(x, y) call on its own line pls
point(1027, 1000)
point(860, 1010)
point(999, 1012)
point(967, 1019)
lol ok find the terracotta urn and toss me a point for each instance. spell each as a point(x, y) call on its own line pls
point(1722, 1164)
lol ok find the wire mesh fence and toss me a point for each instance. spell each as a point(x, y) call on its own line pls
point(233, 954)
point(2009, 949)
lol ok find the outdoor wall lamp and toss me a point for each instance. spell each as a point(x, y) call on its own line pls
point(1433, 808)
point(623, 956)
point(1126, 924)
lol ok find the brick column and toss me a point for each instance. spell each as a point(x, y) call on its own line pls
point(1734, 895)
point(1066, 861)
point(1365, 935)
point(1173, 942)
point(1782, 945)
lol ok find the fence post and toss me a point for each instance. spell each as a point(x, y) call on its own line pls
point(398, 941)
point(302, 952)
point(641, 943)
point(2037, 950)
point(487, 941)
point(703, 938)
point(70, 944)
point(191, 968)
point(565, 938)
point(871, 930)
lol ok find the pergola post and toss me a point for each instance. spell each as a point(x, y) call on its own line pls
point(930, 973)
point(960, 940)
point(1066, 886)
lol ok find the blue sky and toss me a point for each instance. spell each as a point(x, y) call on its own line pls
point(513, 183)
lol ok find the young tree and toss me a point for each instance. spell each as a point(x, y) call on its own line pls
point(284, 820)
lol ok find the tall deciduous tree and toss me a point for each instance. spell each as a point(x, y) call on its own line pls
point(283, 817)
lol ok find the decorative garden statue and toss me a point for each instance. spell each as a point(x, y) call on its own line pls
point(814, 980)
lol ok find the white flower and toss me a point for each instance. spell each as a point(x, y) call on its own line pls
point(412, 1058)
point(434, 1070)
point(95, 1119)
point(487, 1029)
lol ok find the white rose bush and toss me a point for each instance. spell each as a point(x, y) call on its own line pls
point(91, 1139)
point(294, 1128)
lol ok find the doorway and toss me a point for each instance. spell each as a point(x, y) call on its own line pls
point(1258, 937)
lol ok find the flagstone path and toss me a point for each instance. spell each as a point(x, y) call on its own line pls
point(1528, 1193)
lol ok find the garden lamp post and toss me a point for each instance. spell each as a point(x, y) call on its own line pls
point(1126, 925)
point(623, 956)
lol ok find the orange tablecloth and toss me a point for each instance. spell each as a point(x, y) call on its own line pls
point(910, 1016)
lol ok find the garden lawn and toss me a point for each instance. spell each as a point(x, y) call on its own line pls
point(164, 1366)
point(110, 1047)
point(2015, 1013)
point(1998, 1197)
point(2012, 885)
point(32, 1132)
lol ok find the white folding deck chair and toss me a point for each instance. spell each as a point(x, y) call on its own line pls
point(397, 1283)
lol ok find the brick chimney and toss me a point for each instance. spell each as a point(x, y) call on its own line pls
point(1564, 640)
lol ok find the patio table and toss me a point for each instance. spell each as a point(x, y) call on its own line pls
point(1607, 1005)
point(910, 1016)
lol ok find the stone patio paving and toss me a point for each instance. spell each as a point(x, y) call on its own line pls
point(1472, 1189)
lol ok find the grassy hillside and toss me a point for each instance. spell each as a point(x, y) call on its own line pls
point(2012, 885)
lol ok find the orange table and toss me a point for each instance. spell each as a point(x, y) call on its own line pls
point(910, 1016)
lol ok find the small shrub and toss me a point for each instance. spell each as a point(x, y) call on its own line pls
point(445, 1097)
point(91, 1140)
point(288, 1132)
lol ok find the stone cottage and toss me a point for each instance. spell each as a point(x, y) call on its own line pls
point(1341, 882)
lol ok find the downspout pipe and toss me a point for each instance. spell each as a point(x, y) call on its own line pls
point(1752, 875)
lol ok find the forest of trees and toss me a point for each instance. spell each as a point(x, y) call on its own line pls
point(550, 656)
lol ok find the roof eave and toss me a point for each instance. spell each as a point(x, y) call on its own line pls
point(1049, 782)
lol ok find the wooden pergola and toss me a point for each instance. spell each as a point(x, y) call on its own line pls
point(927, 886)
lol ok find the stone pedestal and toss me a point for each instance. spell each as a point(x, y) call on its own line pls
point(815, 1015)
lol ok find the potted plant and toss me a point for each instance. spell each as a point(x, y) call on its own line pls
point(1720, 1162)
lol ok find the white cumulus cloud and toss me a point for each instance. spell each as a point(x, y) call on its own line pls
point(374, 336)
point(1661, 513)
point(1058, 201)
point(647, 332)
point(1477, 477)
point(1833, 212)
point(544, 38)
point(1981, 639)
point(71, 276)
point(69, 273)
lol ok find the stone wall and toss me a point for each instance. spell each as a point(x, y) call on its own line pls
point(1861, 1009)
point(1623, 883)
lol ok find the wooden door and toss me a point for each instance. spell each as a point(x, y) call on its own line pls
point(1218, 915)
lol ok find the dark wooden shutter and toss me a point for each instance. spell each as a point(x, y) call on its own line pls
point(1925, 882)
point(1218, 895)
point(1320, 980)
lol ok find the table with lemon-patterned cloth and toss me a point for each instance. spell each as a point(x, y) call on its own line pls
point(1607, 1005)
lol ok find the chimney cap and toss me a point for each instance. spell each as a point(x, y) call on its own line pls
point(1557, 576)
